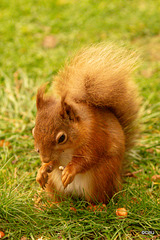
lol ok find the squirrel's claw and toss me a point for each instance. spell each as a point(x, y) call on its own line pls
point(42, 175)
point(68, 175)
point(42, 178)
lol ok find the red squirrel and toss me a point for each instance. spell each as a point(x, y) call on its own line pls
point(87, 124)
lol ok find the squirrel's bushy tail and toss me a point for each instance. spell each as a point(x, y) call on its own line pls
point(101, 76)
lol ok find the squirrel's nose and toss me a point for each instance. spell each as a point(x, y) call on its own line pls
point(45, 159)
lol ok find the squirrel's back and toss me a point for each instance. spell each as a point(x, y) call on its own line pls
point(101, 76)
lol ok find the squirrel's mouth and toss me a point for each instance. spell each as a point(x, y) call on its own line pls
point(45, 159)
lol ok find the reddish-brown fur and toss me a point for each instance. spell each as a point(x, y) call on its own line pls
point(94, 104)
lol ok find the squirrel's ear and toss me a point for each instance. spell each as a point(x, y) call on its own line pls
point(68, 111)
point(40, 96)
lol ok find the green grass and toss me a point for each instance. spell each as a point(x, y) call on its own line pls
point(24, 64)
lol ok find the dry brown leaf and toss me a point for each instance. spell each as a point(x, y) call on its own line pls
point(49, 42)
point(134, 200)
point(97, 207)
point(4, 143)
point(155, 177)
point(132, 174)
point(15, 172)
point(73, 209)
point(147, 73)
point(150, 150)
point(24, 238)
point(2, 234)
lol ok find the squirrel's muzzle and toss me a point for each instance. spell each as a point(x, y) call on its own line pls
point(45, 159)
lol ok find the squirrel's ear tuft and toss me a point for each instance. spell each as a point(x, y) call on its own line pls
point(68, 111)
point(40, 96)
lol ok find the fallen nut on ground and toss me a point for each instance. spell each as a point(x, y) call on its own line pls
point(121, 212)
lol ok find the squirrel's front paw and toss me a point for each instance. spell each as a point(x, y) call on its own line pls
point(42, 175)
point(68, 174)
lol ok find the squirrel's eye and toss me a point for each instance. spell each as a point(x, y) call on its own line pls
point(61, 137)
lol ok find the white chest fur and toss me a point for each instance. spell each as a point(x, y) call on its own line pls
point(81, 184)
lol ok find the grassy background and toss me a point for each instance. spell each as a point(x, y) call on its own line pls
point(26, 62)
